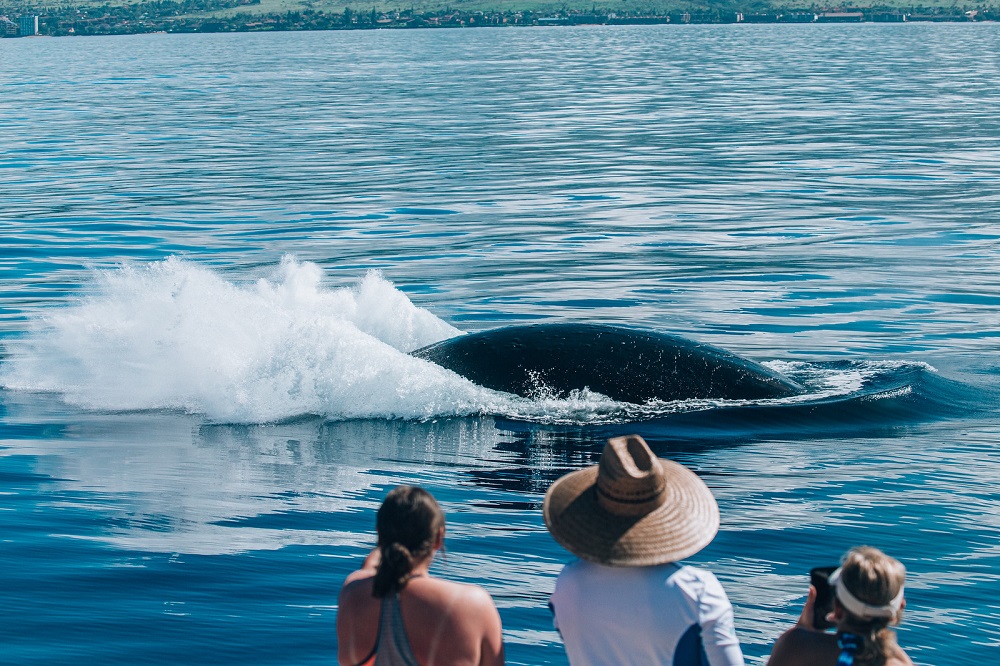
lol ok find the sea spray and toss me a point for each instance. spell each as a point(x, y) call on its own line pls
point(176, 335)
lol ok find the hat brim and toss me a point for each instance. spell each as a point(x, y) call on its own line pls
point(686, 522)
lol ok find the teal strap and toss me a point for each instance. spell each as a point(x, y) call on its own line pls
point(849, 645)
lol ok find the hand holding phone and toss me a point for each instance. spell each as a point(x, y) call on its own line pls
point(819, 577)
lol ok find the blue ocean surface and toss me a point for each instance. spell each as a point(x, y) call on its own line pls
point(216, 251)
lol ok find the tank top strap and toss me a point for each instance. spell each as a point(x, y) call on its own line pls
point(392, 648)
point(849, 645)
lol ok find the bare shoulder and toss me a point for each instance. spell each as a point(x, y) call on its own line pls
point(802, 646)
point(454, 623)
point(367, 571)
point(475, 594)
point(359, 583)
point(467, 596)
point(898, 658)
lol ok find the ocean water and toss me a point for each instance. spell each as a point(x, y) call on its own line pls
point(217, 250)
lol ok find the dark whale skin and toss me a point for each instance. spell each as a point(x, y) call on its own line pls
point(625, 364)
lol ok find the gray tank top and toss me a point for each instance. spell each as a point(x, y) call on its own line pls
point(392, 648)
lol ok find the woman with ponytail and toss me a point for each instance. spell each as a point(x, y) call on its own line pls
point(868, 599)
point(392, 612)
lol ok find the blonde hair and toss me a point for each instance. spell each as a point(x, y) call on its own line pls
point(876, 579)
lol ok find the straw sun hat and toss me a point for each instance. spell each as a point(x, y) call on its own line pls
point(631, 510)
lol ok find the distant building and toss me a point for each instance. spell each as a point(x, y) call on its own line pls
point(7, 27)
point(840, 17)
point(27, 26)
point(588, 19)
point(761, 17)
point(797, 17)
point(935, 18)
point(887, 17)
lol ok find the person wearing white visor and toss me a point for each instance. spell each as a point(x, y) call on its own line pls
point(868, 599)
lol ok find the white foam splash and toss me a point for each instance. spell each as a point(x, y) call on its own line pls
point(821, 382)
point(175, 335)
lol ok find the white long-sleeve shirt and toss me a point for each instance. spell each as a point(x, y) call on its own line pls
point(667, 614)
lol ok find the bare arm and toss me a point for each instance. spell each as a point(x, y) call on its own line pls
point(372, 560)
point(348, 650)
point(368, 568)
point(349, 604)
point(797, 645)
point(491, 652)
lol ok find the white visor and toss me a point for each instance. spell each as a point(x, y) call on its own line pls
point(856, 607)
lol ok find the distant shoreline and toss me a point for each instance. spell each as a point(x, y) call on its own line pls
point(137, 19)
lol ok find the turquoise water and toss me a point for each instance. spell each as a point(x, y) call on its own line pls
point(216, 251)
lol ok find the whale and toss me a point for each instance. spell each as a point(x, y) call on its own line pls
point(623, 363)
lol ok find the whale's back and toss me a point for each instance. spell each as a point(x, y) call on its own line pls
point(625, 364)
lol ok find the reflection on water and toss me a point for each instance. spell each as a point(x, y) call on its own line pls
point(179, 486)
point(166, 483)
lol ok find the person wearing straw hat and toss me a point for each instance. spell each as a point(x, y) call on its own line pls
point(868, 599)
point(627, 599)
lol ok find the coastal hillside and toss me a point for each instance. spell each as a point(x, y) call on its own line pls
point(98, 17)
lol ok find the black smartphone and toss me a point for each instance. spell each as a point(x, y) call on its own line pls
point(819, 578)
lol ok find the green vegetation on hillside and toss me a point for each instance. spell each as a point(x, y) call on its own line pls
point(103, 17)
